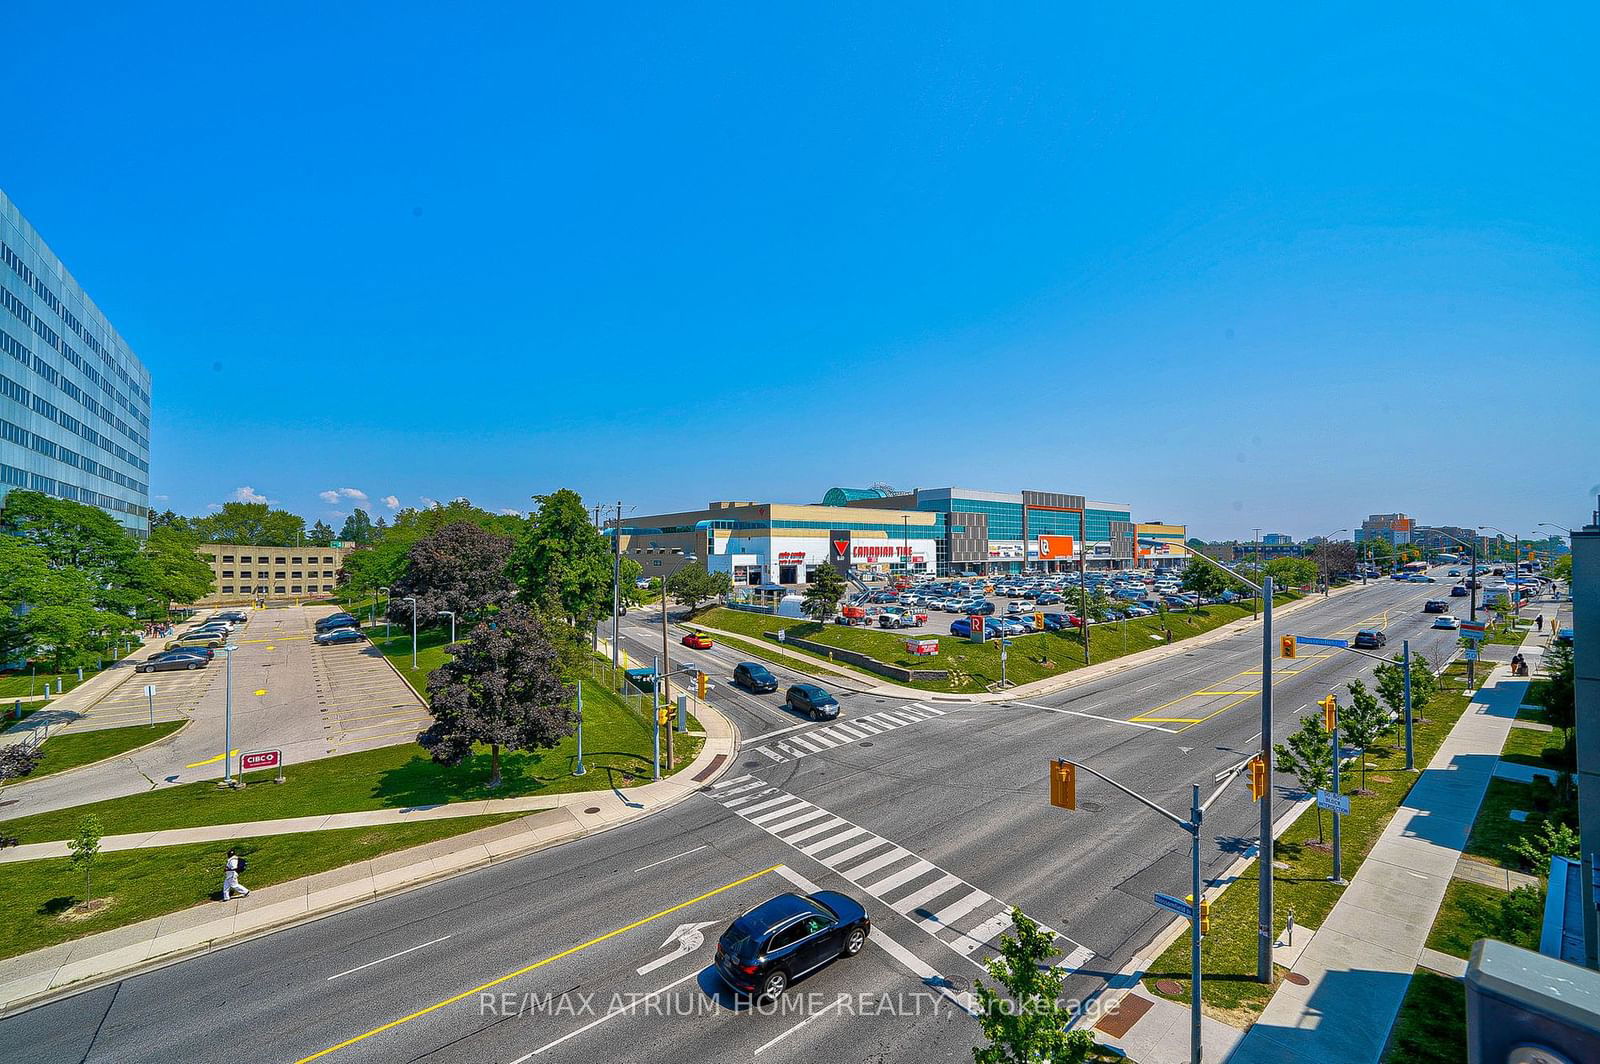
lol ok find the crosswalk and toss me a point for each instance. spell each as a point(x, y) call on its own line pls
point(843, 732)
point(965, 918)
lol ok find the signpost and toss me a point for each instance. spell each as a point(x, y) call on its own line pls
point(150, 696)
point(976, 634)
point(1470, 654)
point(1339, 803)
point(922, 646)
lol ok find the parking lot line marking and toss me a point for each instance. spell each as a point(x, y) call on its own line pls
point(392, 1024)
point(212, 760)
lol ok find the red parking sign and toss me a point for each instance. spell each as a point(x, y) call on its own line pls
point(260, 759)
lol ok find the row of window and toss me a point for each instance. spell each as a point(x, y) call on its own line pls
point(33, 281)
point(280, 589)
point(43, 407)
point(245, 574)
point(326, 559)
point(21, 478)
point(19, 350)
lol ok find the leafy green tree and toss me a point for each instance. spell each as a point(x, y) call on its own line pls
point(85, 538)
point(1558, 693)
point(1308, 754)
point(1292, 572)
point(502, 688)
point(168, 519)
point(1022, 1016)
point(1522, 915)
point(1554, 838)
point(1203, 580)
point(628, 574)
point(254, 523)
point(178, 571)
point(692, 584)
point(1391, 681)
point(1362, 723)
point(563, 563)
point(823, 594)
point(357, 527)
point(85, 847)
point(321, 534)
point(1561, 568)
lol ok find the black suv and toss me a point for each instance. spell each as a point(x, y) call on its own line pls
point(754, 677)
point(781, 940)
point(337, 620)
point(1436, 606)
point(1370, 639)
point(813, 701)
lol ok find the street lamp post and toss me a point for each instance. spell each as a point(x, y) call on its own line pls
point(578, 769)
point(413, 603)
point(616, 580)
point(452, 615)
point(227, 716)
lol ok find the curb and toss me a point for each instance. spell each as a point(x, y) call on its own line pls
point(342, 899)
point(173, 734)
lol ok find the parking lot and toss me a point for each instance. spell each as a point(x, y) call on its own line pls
point(362, 702)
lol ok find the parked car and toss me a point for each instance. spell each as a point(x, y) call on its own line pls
point(1436, 606)
point(174, 659)
point(813, 701)
point(236, 616)
point(1446, 621)
point(197, 639)
point(1459, 591)
point(981, 607)
point(784, 938)
point(335, 636)
point(754, 677)
point(1370, 639)
point(1019, 607)
point(697, 641)
point(337, 620)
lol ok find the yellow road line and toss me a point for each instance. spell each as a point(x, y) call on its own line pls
point(212, 760)
point(392, 1024)
point(1224, 693)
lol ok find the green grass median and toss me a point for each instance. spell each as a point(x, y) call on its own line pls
point(141, 884)
point(432, 651)
point(73, 749)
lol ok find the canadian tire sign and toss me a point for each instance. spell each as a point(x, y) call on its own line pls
point(839, 550)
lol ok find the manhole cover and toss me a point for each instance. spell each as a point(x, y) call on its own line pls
point(1169, 987)
point(592, 809)
point(864, 745)
point(1296, 978)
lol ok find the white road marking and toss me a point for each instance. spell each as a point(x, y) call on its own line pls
point(816, 1015)
point(390, 957)
point(674, 857)
point(629, 1007)
point(1097, 716)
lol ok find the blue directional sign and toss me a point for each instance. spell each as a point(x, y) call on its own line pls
point(1177, 905)
point(1312, 641)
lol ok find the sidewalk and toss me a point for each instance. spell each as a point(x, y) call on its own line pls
point(62, 710)
point(1358, 964)
point(35, 977)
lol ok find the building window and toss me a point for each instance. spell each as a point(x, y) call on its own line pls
point(281, 560)
point(297, 574)
point(278, 589)
point(227, 589)
point(327, 587)
point(296, 589)
point(244, 557)
point(229, 558)
point(229, 573)
point(297, 561)
point(282, 576)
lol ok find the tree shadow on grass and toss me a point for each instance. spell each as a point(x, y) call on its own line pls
point(421, 782)
point(57, 906)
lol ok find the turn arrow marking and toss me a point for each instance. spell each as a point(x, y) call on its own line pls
point(689, 938)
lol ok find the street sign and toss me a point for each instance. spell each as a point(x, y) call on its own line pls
point(1312, 641)
point(1339, 803)
point(1476, 637)
point(1177, 905)
point(782, 636)
point(260, 759)
point(1473, 626)
point(1471, 654)
point(149, 690)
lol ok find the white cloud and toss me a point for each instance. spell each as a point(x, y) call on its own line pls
point(428, 503)
point(509, 512)
point(249, 494)
point(391, 502)
point(356, 495)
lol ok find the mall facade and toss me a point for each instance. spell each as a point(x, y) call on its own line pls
point(926, 532)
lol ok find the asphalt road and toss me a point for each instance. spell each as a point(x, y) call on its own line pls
point(937, 821)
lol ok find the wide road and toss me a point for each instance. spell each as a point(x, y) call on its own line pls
point(934, 814)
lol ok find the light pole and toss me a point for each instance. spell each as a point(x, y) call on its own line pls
point(578, 769)
point(1472, 593)
point(1568, 531)
point(616, 580)
point(452, 615)
point(413, 603)
point(1264, 850)
point(1327, 573)
point(386, 601)
point(227, 716)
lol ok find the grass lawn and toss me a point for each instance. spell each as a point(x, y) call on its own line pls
point(147, 883)
point(15, 685)
point(1471, 911)
point(1229, 951)
point(71, 749)
point(1494, 831)
point(617, 749)
point(1432, 1025)
point(974, 667)
point(1527, 747)
point(431, 651)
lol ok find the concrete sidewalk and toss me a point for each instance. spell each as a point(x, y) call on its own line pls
point(1359, 963)
point(62, 710)
point(36, 977)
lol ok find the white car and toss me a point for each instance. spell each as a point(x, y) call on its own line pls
point(1444, 620)
point(1018, 608)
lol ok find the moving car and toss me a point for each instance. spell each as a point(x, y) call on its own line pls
point(169, 660)
point(697, 641)
point(1459, 591)
point(754, 677)
point(813, 701)
point(335, 636)
point(1454, 572)
point(1436, 606)
point(336, 620)
point(1370, 639)
point(1446, 621)
point(784, 938)
point(211, 640)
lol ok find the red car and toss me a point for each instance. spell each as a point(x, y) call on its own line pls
point(697, 640)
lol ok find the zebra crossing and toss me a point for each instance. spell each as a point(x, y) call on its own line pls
point(963, 917)
point(844, 732)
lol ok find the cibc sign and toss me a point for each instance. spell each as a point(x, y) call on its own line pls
point(260, 759)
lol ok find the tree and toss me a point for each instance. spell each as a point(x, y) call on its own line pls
point(84, 538)
point(178, 571)
point(17, 760)
point(255, 523)
point(461, 568)
point(563, 563)
point(1292, 572)
point(85, 847)
point(321, 535)
point(357, 527)
point(823, 593)
point(1391, 681)
point(168, 519)
point(1561, 568)
point(1363, 722)
point(628, 574)
point(503, 688)
point(1308, 754)
point(1026, 1023)
point(1558, 694)
point(45, 608)
point(692, 584)
point(1554, 838)
point(1203, 579)
point(1333, 558)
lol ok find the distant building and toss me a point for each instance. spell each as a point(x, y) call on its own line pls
point(1446, 537)
point(245, 573)
point(1394, 529)
point(1276, 539)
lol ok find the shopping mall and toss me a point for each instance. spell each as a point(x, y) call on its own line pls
point(930, 531)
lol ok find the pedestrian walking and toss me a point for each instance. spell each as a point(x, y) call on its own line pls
point(1538, 622)
point(230, 877)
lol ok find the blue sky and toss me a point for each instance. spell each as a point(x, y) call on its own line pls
point(1241, 268)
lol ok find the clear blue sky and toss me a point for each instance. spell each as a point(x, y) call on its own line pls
point(1236, 267)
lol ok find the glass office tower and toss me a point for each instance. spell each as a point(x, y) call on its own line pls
point(74, 401)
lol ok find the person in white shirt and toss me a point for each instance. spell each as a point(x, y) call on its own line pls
point(230, 878)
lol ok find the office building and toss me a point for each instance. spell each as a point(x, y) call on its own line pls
point(1394, 529)
point(74, 401)
point(243, 573)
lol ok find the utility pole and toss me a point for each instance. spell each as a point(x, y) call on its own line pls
point(666, 684)
point(616, 580)
point(1083, 587)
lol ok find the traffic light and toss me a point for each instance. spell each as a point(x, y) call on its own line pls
point(1063, 784)
point(1205, 913)
point(664, 716)
point(702, 686)
point(1288, 645)
point(1258, 779)
point(1330, 712)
